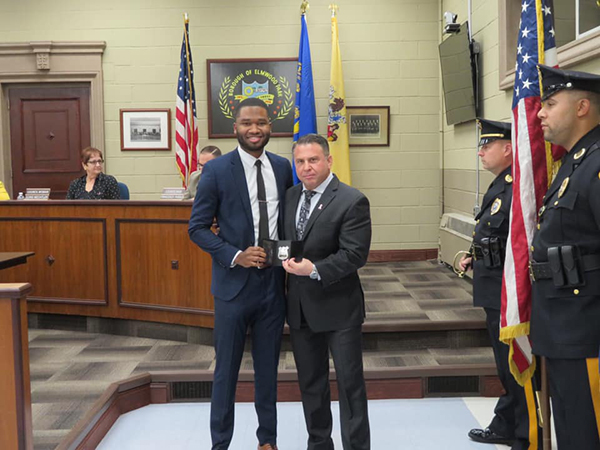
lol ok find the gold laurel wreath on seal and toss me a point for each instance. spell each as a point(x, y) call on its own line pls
point(288, 104)
point(287, 94)
point(223, 103)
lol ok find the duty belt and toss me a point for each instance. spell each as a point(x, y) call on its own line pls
point(543, 270)
point(477, 252)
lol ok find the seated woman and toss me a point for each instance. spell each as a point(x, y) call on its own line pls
point(94, 185)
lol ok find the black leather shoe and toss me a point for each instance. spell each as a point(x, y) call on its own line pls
point(487, 436)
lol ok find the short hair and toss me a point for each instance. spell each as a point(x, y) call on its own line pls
point(88, 152)
point(211, 149)
point(252, 101)
point(592, 97)
point(313, 139)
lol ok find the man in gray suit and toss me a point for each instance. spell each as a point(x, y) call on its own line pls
point(206, 154)
point(325, 303)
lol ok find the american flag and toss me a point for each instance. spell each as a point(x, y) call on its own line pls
point(186, 127)
point(532, 159)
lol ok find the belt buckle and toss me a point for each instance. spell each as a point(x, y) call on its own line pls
point(531, 274)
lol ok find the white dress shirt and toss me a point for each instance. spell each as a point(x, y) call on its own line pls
point(268, 174)
point(315, 198)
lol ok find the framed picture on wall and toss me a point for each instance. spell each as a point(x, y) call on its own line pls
point(230, 81)
point(368, 126)
point(145, 129)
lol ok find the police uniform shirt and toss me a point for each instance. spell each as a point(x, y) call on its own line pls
point(492, 221)
point(565, 321)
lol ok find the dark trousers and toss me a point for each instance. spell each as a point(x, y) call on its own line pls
point(574, 389)
point(311, 352)
point(512, 416)
point(260, 306)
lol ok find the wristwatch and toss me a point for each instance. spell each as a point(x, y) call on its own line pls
point(314, 274)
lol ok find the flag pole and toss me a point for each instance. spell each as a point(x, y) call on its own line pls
point(545, 406)
point(186, 22)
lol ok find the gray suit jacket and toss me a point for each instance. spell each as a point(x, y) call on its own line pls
point(190, 192)
point(337, 239)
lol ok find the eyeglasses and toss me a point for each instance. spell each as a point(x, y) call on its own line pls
point(95, 162)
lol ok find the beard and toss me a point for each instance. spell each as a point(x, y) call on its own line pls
point(251, 146)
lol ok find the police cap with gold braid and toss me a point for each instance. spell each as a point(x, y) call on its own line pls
point(492, 131)
point(555, 80)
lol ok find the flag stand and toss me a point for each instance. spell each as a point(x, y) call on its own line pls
point(545, 407)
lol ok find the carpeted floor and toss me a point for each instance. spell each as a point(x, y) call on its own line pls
point(70, 370)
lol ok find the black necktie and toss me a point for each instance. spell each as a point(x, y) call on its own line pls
point(263, 221)
point(304, 214)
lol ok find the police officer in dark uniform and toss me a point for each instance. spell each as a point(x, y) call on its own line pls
point(510, 425)
point(565, 258)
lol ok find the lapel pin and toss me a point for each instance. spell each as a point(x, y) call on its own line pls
point(321, 206)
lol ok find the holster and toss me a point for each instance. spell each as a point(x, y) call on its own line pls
point(496, 251)
point(555, 262)
point(572, 265)
point(566, 265)
point(493, 252)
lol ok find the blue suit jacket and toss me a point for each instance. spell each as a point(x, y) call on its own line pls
point(223, 193)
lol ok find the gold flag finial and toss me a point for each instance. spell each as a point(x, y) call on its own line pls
point(334, 9)
point(185, 18)
point(304, 7)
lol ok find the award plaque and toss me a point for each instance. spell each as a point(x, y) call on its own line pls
point(279, 251)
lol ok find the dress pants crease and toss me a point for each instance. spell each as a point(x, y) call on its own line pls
point(261, 307)
point(572, 405)
point(311, 351)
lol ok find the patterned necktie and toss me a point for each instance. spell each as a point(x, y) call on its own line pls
point(263, 220)
point(304, 214)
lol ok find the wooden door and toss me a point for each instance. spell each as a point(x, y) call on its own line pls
point(49, 126)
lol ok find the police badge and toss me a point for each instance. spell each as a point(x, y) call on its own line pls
point(279, 251)
point(283, 252)
point(563, 187)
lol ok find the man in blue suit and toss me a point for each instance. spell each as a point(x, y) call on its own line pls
point(245, 191)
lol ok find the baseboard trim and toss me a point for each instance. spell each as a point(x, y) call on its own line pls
point(403, 255)
point(154, 388)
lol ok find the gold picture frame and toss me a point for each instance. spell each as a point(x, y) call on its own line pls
point(368, 126)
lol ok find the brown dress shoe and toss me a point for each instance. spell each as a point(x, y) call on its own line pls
point(267, 447)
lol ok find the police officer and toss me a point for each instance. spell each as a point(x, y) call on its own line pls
point(510, 425)
point(565, 258)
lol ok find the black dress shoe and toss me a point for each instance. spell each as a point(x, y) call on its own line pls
point(487, 436)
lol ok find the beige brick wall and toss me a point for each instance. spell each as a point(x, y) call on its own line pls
point(389, 51)
point(459, 160)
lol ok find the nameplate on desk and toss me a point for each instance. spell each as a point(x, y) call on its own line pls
point(37, 193)
point(172, 193)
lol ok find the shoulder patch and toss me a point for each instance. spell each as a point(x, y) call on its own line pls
point(496, 206)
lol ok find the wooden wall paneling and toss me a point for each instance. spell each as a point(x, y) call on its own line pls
point(172, 276)
point(190, 305)
point(15, 389)
point(70, 262)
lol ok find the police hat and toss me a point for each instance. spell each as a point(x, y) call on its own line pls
point(492, 131)
point(555, 80)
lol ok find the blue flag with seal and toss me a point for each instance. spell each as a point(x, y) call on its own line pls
point(305, 115)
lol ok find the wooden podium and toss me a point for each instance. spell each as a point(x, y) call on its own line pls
point(15, 390)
